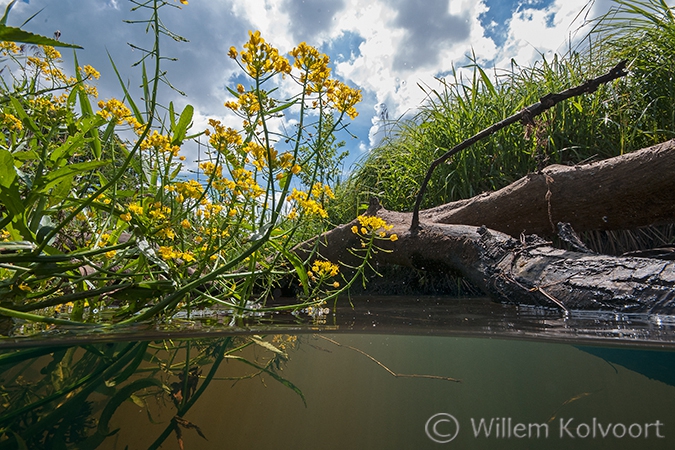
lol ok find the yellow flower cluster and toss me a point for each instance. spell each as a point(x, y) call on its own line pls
point(46, 103)
point(313, 66)
point(324, 269)
point(168, 253)
point(103, 241)
point(51, 53)
point(284, 341)
point(261, 156)
point(115, 109)
point(343, 97)
point(373, 224)
point(211, 209)
point(246, 184)
point(308, 204)
point(7, 48)
point(210, 168)
point(161, 143)
point(136, 209)
point(322, 190)
point(260, 58)
point(90, 72)
point(187, 189)
point(158, 211)
point(10, 122)
point(221, 136)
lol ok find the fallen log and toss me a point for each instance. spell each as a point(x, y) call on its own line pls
point(625, 192)
point(528, 270)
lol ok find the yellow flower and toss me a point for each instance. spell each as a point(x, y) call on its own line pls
point(110, 254)
point(260, 58)
point(336, 284)
point(166, 233)
point(136, 208)
point(125, 217)
point(355, 229)
point(186, 224)
point(7, 47)
point(187, 257)
point(51, 52)
point(393, 238)
point(91, 72)
point(115, 109)
point(167, 253)
point(11, 122)
point(325, 268)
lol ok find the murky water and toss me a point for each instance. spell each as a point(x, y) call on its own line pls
point(448, 374)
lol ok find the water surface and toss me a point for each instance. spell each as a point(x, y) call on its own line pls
point(391, 373)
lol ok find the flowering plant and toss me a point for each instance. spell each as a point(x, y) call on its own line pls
point(91, 220)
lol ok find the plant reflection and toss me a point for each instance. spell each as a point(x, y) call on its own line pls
point(63, 397)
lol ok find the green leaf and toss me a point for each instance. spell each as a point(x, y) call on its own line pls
point(14, 34)
point(87, 110)
point(297, 265)
point(281, 108)
point(3, 21)
point(127, 95)
point(25, 118)
point(54, 177)
point(271, 373)
point(103, 431)
point(66, 149)
point(182, 126)
point(7, 170)
point(61, 191)
point(10, 197)
point(266, 345)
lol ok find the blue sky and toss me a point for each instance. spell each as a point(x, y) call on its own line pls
point(384, 47)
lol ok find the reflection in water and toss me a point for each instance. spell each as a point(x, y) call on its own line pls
point(333, 392)
point(56, 397)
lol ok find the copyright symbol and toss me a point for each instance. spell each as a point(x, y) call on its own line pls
point(445, 421)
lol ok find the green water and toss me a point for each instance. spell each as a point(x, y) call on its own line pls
point(362, 390)
point(354, 403)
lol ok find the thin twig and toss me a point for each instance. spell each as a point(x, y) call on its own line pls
point(391, 372)
point(525, 116)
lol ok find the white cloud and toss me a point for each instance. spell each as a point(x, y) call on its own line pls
point(405, 43)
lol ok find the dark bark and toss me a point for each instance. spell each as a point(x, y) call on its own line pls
point(493, 239)
point(524, 271)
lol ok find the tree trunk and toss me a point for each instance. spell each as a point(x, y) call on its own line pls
point(628, 191)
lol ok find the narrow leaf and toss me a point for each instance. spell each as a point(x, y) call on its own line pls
point(14, 34)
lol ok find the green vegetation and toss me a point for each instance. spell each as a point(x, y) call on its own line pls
point(629, 114)
point(68, 396)
point(99, 225)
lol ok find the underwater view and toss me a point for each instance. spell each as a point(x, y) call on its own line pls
point(459, 373)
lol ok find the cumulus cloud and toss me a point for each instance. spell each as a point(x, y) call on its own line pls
point(311, 17)
point(388, 48)
point(429, 28)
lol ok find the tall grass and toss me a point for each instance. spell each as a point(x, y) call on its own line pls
point(627, 115)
